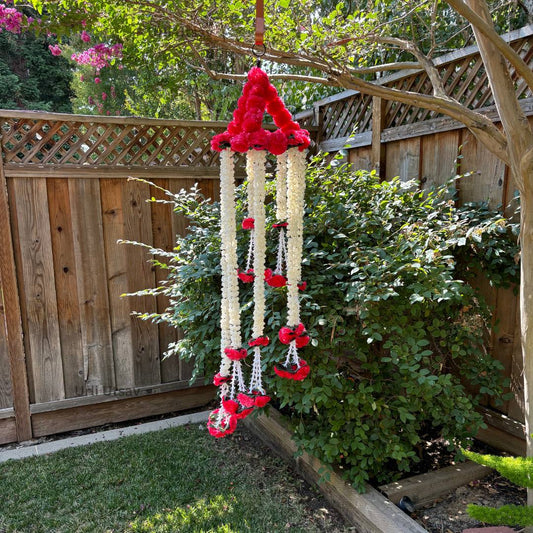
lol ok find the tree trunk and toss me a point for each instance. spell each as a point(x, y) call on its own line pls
point(520, 146)
point(526, 311)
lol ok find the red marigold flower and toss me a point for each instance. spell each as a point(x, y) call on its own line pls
point(219, 379)
point(235, 354)
point(302, 341)
point(246, 277)
point(243, 414)
point(248, 223)
point(277, 280)
point(261, 400)
point(287, 334)
point(245, 400)
point(259, 341)
point(277, 142)
point(240, 143)
point(230, 406)
point(259, 140)
point(221, 141)
point(222, 428)
point(294, 373)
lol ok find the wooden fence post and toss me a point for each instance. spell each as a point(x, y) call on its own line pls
point(378, 124)
point(13, 316)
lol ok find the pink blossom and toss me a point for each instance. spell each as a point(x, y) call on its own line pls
point(97, 80)
point(113, 93)
point(108, 113)
point(84, 23)
point(10, 19)
point(90, 100)
point(56, 51)
point(99, 55)
point(85, 37)
point(82, 78)
point(104, 97)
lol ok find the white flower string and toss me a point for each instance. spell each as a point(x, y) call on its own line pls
point(258, 172)
point(246, 135)
point(281, 187)
point(296, 167)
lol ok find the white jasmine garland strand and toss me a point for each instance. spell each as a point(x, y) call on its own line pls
point(281, 187)
point(228, 235)
point(257, 168)
point(296, 166)
point(250, 186)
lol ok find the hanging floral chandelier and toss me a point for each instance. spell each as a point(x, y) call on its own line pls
point(240, 394)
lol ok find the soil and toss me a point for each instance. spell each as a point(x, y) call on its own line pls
point(449, 514)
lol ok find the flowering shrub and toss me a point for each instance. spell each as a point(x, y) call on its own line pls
point(395, 330)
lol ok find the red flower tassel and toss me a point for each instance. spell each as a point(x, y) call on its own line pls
point(248, 223)
point(235, 354)
point(246, 277)
point(294, 373)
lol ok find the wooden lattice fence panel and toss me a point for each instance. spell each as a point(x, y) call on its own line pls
point(29, 141)
point(463, 76)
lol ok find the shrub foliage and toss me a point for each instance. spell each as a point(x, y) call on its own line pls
point(397, 333)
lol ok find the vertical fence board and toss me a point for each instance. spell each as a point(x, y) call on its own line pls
point(138, 227)
point(361, 158)
point(12, 286)
point(488, 178)
point(98, 365)
point(503, 333)
point(117, 280)
point(516, 409)
point(6, 391)
point(439, 158)
point(164, 238)
point(402, 159)
point(66, 287)
point(179, 227)
point(40, 296)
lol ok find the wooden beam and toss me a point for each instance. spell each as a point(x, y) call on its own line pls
point(8, 430)
point(426, 488)
point(28, 170)
point(370, 512)
point(13, 318)
point(48, 423)
point(378, 125)
point(113, 396)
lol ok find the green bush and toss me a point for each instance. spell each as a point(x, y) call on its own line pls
point(396, 332)
point(519, 470)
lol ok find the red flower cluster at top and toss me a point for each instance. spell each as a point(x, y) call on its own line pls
point(245, 132)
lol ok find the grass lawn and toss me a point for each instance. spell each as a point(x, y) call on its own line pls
point(175, 480)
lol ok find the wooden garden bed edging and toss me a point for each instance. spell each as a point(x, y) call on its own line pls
point(424, 489)
point(370, 512)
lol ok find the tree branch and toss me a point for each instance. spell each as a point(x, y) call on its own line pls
point(400, 65)
point(283, 77)
point(427, 64)
point(521, 67)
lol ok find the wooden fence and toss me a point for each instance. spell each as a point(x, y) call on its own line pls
point(401, 140)
point(71, 355)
